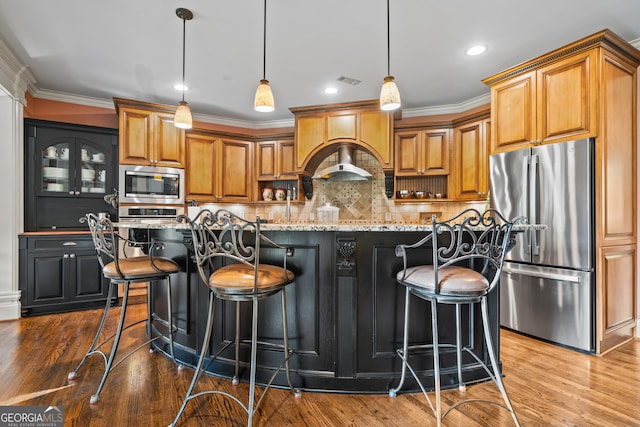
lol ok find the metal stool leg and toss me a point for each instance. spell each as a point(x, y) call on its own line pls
point(461, 386)
point(492, 356)
point(172, 328)
point(436, 361)
point(287, 351)
point(405, 345)
point(203, 354)
point(114, 348)
point(254, 360)
point(149, 317)
point(73, 375)
point(236, 376)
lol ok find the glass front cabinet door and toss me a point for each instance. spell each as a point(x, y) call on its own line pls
point(74, 167)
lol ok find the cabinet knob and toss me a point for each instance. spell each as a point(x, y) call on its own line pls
point(71, 193)
point(77, 193)
point(72, 256)
point(65, 256)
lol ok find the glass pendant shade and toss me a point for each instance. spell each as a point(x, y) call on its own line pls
point(183, 119)
point(264, 98)
point(389, 95)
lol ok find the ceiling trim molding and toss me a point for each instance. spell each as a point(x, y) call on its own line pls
point(272, 124)
point(73, 99)
point(15, 78)
point(447, 109)
point(635, 43)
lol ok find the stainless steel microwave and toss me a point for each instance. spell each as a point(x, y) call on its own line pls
point(151, 185)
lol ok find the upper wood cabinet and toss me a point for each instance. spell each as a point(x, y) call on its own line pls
point(470, 170)
point(422, 152)
point(275, 160)
point(218, 169)
point(148, 136)
point(552, 103)
point(362, 123)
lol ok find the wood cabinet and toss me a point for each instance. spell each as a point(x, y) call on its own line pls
point(587, 88)
point(148, 136)
point(59, 272)
point(470, 170)
point(218, 169)
point(275, 160)
point(318, 129)
point(555, 102)
point(422, 152)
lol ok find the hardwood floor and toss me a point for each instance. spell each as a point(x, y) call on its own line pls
point(548, 385)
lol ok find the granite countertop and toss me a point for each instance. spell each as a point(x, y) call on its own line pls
point(156, 224)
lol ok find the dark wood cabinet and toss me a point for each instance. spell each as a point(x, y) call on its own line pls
point(69, 169)
point(59, 272)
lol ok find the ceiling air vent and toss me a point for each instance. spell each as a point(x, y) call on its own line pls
point(348, 80)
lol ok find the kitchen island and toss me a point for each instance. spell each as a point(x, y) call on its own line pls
point(345, 308)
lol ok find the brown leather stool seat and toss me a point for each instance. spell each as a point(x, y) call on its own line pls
point(453, 280)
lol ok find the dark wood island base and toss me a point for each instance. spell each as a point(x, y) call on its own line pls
point(345, 312)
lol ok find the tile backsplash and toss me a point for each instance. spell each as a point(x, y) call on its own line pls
point(359, 202)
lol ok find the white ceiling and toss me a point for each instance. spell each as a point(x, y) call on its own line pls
point(133, 48)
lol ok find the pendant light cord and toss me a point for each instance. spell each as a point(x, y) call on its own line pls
point(264, 42)
point(388, 43)
point(184, 32)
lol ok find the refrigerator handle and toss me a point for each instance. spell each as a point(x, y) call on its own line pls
point(524, 208)
point(533, 202)
point(543, 275)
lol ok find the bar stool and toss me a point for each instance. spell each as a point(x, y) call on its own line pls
point(467, 255)
point(123, 270)
point(224, 236)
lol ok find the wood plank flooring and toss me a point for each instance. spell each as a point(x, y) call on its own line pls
point(548, 386)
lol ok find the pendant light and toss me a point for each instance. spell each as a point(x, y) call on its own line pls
point(183, 119)
point(264, 97)
point(389, 94)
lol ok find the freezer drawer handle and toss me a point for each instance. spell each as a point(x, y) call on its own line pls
point(563, 277)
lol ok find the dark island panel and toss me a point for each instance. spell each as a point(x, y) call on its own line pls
point(345, 314)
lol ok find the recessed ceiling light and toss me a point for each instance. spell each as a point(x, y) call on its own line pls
point(476, 50)
point(330, 90)
point(180, 87)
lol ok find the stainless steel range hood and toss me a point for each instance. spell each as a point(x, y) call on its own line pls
point(344, 170)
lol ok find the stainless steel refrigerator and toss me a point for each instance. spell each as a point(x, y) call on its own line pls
point(547, 287)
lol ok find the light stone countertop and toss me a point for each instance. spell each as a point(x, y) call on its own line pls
point(164, 224)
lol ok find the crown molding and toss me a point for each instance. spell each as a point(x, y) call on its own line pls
point(72, 99)
point(15, 78)
point(635, 43)
point(267, 124)
point(447, 109)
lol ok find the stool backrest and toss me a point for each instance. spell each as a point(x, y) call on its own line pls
point(223, 234)
point(104, 238)
point(106, 241)
point(472, 239)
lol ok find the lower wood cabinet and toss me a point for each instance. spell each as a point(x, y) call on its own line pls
point(59, 272)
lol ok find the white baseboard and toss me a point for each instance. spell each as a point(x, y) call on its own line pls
point(10, 305)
